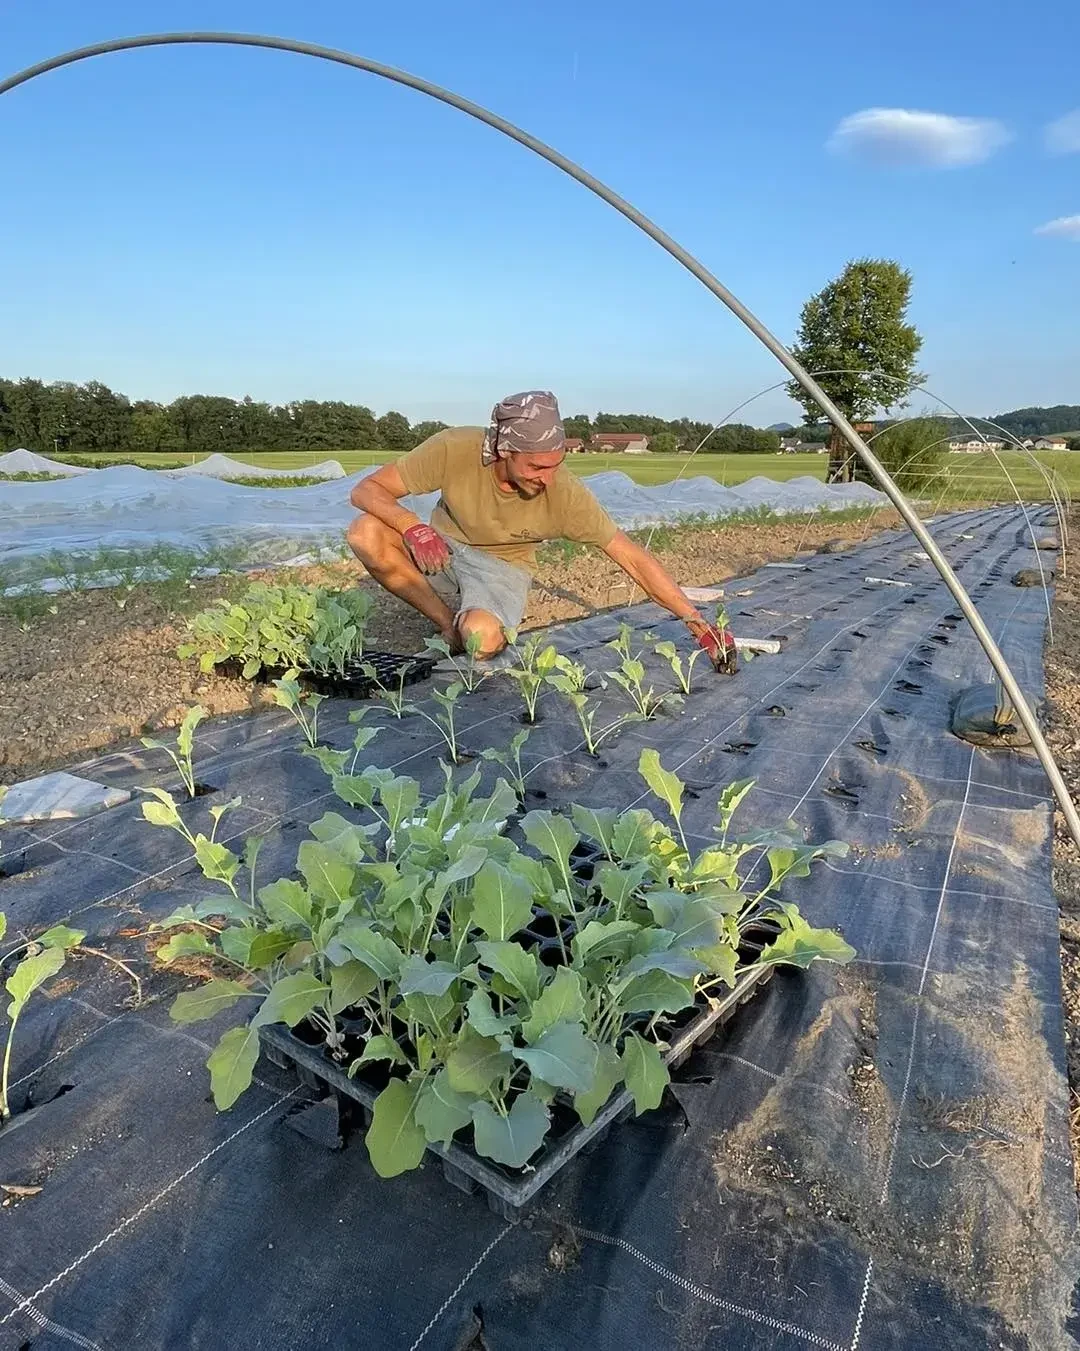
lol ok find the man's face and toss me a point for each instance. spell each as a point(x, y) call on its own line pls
point(530, 473)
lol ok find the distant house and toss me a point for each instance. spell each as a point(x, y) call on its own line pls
point(575, 445)
point(973, 445)
point(1048, 443)
point(626, 443)
point(791, 445)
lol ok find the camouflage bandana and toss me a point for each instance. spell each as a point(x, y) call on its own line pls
point(524, 422)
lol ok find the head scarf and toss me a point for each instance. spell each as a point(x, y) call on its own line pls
point(524, 422)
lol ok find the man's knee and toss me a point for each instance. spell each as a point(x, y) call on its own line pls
point(369, 539)
point(487, 627)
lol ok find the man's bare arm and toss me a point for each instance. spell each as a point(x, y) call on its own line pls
point(651, 576)
point(378, 495)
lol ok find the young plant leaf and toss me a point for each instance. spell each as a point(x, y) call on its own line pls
point(550, 835)
point(609, 1074)
point(350, 982)
point(654, 992)
point(476, 1062)
point(485, 1020)
point(379, 953)
point(290, 999)
point(630, 838)
point(675, 961)
point(599, 940)
point(395, 1143)
point(192, 1006)
point(799, 945)
point(218, 864)
point(330, 877)
point(645, 1072)
point(161, 813)
point(563, 1056)
point(520, 969)
point(29, 975)
point(436, 1012)
point(502, 901)
point(441, 1111)
point(231, 1064)
point(667, 786)
point(512, 1139)
point(561, 1001)
point(419, 976)
point(730, 798)
point(287, 903)
point(187, 944)
point(617, 884)
point(229, 907)
point(60, 936)
point(378, 1048)
point(598, 823)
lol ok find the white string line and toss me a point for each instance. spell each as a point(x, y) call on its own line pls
point(142, 1210)
point(770, 1074)
point(47, 1324)
point(59, 1055)
point(461, 1285)
point(922, 886)
point(707, 1296)
point(861, 1314)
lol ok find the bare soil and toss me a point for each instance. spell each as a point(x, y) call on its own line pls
point(93, 674)
point(1063, 690)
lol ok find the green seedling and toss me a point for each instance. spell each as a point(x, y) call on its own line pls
point(393, 698)
point(510, 759)
point(444, 722)
point(414, 919)
point(470, 675)
point(630, 678)
point(682, 671)
point(302, 704)
point(44, 959)
point(185, 743)
point(586, 715)
point(537, 663)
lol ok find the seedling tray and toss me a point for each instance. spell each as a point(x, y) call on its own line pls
point(353, 683)
point(509, 1192)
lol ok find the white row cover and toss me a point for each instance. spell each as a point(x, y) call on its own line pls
point(128, 507)
point(214, 466)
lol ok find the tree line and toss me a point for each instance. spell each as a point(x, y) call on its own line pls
point(66, 418)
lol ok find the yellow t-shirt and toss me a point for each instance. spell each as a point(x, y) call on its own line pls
point(474, 510)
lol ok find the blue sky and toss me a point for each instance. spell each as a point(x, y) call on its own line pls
point(245, 222)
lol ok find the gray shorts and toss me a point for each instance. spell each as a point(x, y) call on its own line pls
point(475, 580)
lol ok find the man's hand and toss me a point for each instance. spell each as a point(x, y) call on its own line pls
point(717, 644)
point(428, 548)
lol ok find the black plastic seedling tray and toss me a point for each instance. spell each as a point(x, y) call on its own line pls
point(508, 1192)
point(353, 682)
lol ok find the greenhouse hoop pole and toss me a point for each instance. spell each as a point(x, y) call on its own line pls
point(877, 471)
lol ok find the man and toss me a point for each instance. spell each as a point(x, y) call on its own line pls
point(503, 491)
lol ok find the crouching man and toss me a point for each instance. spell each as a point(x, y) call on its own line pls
point(502, 492)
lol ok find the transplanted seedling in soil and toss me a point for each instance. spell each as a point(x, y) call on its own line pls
point(470, 674)
point(185, 745)
point(45, 956)
point(410, 940)
point(537, 663)
point(569, 678)
point(510, 759)
point(682, 670)
point(444, 722)
point(302, 704)
point(392, 696)
point(630, 678)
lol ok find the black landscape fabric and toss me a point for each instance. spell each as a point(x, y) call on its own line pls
point(869, 1158)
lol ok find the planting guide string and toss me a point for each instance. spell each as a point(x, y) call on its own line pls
point(877, 471)
point(813, 1336)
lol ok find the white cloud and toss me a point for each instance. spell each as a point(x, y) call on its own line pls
point(902, 137)
point(1063, 136)
point(1065, 227)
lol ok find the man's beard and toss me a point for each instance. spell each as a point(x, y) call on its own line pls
point(529, 491)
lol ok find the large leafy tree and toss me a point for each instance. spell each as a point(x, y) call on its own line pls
point(855, 339)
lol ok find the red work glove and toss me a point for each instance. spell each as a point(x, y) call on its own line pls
point(717, 644)
point(428, 548)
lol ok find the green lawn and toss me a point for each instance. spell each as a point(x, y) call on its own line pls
point(969, 476)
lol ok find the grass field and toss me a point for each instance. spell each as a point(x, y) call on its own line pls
point(968, 476)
